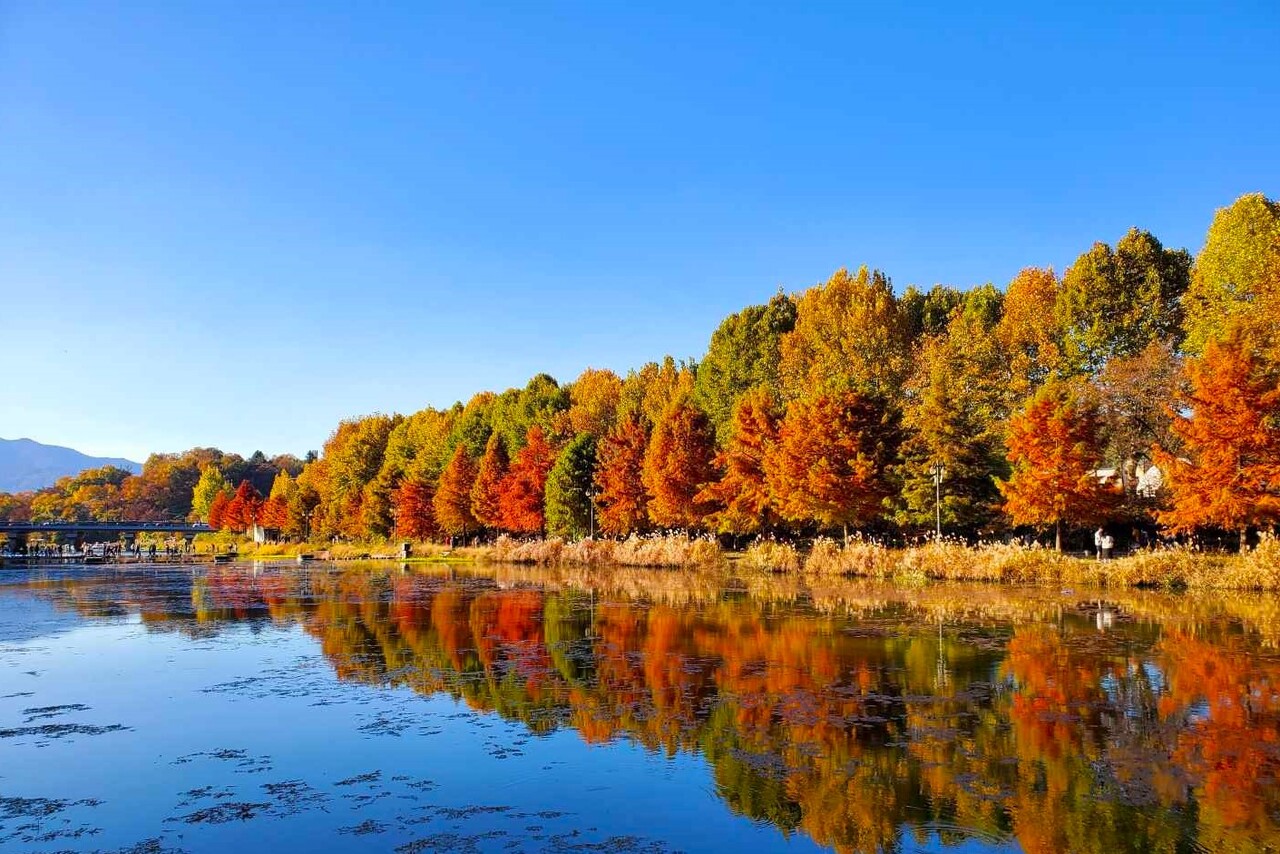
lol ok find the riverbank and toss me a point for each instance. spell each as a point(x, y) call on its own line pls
point(1166, 568)
point(1169, 568)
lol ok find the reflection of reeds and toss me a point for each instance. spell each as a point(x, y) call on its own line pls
point(660, 550)
point(947, 601)
point(634, 582)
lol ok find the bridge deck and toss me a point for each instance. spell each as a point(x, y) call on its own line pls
point(104, 528)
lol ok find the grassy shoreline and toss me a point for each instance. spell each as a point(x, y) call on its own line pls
point(1166, 568)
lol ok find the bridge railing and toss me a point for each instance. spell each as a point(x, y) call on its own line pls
point(120, 527)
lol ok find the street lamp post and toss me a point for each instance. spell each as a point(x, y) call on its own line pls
point(938, 471)
point(589, 493)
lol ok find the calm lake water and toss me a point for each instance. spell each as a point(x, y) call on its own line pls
point(277, 708)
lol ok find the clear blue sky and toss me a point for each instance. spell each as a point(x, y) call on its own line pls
point(234, 224)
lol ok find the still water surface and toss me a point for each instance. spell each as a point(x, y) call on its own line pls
point(383, 709)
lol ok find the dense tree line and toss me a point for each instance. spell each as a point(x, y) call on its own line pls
point(167, 488)
point(842, 407)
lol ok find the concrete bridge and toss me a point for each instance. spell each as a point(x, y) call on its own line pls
point(73, 533)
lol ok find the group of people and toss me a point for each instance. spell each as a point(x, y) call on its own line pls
point(103, 550)
point(1104, 544)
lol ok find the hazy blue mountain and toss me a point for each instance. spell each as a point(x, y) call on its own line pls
point(27, 464)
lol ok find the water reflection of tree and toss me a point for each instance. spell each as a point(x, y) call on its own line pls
point(853, 713)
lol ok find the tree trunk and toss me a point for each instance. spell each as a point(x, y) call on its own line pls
point(1244, 539)
point(1057, 537)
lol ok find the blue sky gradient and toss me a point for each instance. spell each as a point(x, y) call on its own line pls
point(233, 227)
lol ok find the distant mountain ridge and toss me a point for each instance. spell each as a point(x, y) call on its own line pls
point(27, 464)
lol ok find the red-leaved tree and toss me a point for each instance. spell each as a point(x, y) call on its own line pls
point(623, 502)
point(452, 501)
point(218, 510)
point(1055, 451)
point(486, 492)
point(244, 508)
point(414, 510)
point(830, 463)
point(524, 487)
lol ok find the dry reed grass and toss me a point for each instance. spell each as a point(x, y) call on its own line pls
point(658, 550)
point(772, 556)
point(861, 557)
point(949, 560)
point(1173, 567)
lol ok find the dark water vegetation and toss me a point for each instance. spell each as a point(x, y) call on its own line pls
point(585, 709)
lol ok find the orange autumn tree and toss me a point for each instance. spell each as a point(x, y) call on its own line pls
point(486, 493)
point(1232, 438)
point(275, 514)
point(623, 502)
point(275, 510)
point(218, 510)
point(677, 465)
point(830, 462)
point(741, 496)
point(524, 486)
point(414, 510)
point(1055, 451)
point(452, 501)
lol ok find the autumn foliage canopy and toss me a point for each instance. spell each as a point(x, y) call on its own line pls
point(1230, 474)
point(1135, 389)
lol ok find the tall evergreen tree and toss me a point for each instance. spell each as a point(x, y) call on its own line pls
point(744, 354)
point(954, 419)
point(570, 491)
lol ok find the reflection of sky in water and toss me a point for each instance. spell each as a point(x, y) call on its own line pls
point(1198, 712)
point(315, 764)
point(1155, 676)
point(276, 711)
point(23, 617)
